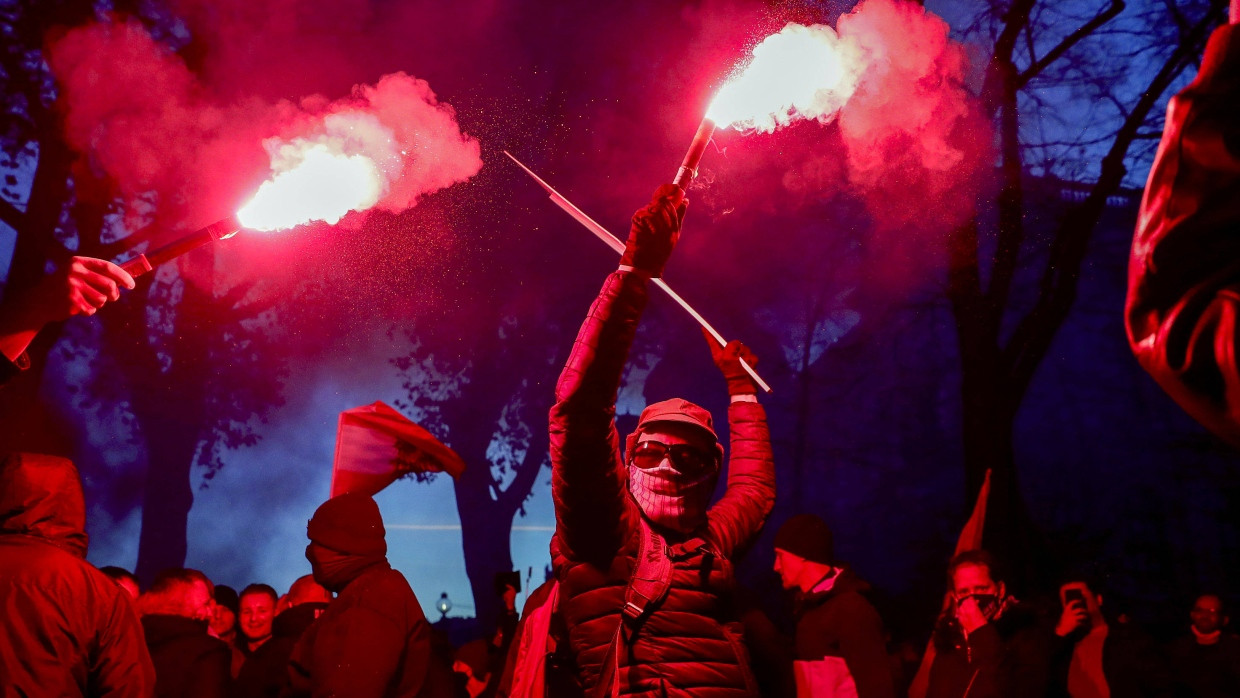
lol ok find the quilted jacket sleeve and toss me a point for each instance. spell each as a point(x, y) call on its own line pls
point(738, 517)
point(587, 474)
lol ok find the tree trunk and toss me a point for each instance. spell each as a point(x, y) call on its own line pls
point(486, 535)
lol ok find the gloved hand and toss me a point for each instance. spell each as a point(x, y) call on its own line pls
point(655, 230)
point(728, 359)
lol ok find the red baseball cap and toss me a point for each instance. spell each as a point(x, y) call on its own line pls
point(678, 410)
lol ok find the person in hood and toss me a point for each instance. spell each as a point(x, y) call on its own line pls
point(67, 629)
point(839, 642)
point(373, 639)
point(688, 642)
point(176, 612)
point(987, 644)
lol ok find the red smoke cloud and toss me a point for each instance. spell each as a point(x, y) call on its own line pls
point(139, 116)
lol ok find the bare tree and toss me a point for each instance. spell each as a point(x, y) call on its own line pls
point(1103, 64)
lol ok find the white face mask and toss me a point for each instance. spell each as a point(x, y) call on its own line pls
point(668, 499)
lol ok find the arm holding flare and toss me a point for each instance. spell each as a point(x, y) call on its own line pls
point(737, 518)
point(587, 471)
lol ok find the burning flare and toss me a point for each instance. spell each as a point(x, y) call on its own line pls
point(323, 178)
point(805, 72)
point(800, 72)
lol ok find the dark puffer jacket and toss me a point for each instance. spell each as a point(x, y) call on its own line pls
point(67, 629)
point(189, 663)
point(689, 645)
point(1183, 307)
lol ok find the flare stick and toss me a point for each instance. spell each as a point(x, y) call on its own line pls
point(615, 244)
point(689, 167)
point(219, 230)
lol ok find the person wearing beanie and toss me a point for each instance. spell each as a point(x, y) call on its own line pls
point(840, 647)
point(373, 639)
point(224, 614)
point(656, 498)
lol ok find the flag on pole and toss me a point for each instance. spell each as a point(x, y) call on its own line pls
point(970, 539)
point(971, 535)
point(375, 445)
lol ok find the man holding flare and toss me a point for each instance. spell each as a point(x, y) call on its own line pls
point(643, 561)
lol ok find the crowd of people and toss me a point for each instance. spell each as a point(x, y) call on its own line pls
point(353, 627)
point(643, 598)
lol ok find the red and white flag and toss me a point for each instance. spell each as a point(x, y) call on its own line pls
point(375, 445)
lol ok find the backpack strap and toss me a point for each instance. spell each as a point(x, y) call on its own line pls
point(652, 577)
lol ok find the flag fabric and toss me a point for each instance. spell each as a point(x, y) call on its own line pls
point(971, 535)
point(970, 539)
point(375, 445)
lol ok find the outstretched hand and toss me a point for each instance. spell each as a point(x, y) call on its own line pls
point(81, 287)
point(655, 230)
point(728, 359)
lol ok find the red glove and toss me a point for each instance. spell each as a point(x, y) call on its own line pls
point(728, 359)
point(655, 230)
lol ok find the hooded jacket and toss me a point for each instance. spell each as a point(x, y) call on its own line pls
point(1183, 308)
point(373, 639)
point(68, 630)
point(690, 644)
point(841, 624)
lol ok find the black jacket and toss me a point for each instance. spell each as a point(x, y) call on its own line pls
point(265, 672)
point(1006, 658)
point(373, 640)
point(1131, 664)
point(65, 628)
point(188, 661)
point(841, 623)
point(1206, 671)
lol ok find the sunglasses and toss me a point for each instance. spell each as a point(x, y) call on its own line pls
point(685, 458)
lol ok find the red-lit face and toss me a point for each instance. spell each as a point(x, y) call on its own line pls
point(795, 572)
point(257, 613)
point(199, 601)
point(790, 568)
point(973, 580)
point(1207, 614)
point(223, 620)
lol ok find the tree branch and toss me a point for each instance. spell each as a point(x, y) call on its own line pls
point(1037, 329)
point(1106, 15)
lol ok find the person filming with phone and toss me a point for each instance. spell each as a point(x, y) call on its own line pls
point(1095, 658)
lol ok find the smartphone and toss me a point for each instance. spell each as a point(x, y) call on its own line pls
point(1070, 595)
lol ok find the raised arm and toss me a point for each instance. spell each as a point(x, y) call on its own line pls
point(80, 287)
point(1184, 273)
point(736, 519)
point(587, 474)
